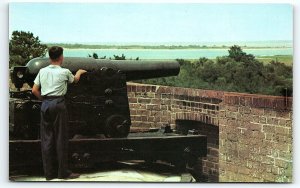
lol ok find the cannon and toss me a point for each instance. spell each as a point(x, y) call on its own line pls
point(99, 117)
point(97, 104)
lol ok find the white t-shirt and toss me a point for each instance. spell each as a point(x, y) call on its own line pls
point(53, 80)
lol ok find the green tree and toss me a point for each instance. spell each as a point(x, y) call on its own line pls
point(95, 55)
point(24, 46)
point(236, 53)
point(120, 57)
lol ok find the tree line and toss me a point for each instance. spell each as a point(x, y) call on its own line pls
point(237, 72)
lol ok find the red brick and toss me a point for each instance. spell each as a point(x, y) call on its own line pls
point(245, 101)
point(269, 177)
point(282, 147)
point(280, 104)
point(165, 118)
point(269, 136)
point(151, 118)
point(232, 108)
point(232, 100)
point(263, 120)
point(231, 115)
point(133, 88)
point(155, 113)
point(256, 119)
point(132, 112)
point(282, 163)
point(153, 88)
point(244, 170)
point(148, 88)
point(137, 118)
point(286, 155)
point(132, 100)
point(272, 120)
point(128, 88)
point(281, 130)
point(257, 111)
point(152, 107)
point(267, 160)
point(282, 122)
point(232, 137)
point(130, 94)
point(163, 107)
point(280, 138)
point(258, 135)
point(232, 122)
point(150, 95)
point(245, 110)
point(288, 123)
point(157, 119)
point(214, 151)
point(269, 112)
point(139, 88)
point(210, 164)
point(254, 127)
point(144, 118)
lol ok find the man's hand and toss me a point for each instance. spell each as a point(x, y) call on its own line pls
point(78, 74)
point(81, 71)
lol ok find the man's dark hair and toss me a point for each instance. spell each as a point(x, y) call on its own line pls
point(55, 52)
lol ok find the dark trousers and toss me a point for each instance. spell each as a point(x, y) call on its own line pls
point(54, 138)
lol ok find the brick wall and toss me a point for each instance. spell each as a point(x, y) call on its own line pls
point(154, 106)
point(255, 138)
point(249, 136)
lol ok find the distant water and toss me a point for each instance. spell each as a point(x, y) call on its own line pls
point(267, 43)
point(172, 54)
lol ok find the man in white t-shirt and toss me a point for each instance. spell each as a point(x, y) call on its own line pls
point(50, 86)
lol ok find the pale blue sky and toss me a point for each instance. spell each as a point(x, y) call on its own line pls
point(153, 23)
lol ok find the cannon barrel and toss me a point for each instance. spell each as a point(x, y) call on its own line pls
point(134, 69)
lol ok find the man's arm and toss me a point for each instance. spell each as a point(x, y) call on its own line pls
point(36, 91)
point(78, 74)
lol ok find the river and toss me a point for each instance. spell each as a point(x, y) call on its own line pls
point(173, 53)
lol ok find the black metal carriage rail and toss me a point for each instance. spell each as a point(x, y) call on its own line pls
point(172, 148)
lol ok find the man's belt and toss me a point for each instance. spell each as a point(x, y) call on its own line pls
point(52, 97)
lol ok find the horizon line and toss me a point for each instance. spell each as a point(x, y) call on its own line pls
point(172, 42)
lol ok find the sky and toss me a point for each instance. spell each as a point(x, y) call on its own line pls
point(152, 22)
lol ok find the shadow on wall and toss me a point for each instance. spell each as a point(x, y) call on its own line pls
point(209, 164)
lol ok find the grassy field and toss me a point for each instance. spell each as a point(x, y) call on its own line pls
point(286, 59)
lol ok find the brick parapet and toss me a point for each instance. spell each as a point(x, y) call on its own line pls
point(258, 101)
point(166, 104)
point(255, 138)
point(255, 131)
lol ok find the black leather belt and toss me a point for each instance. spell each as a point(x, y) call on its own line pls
point(52, 97)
